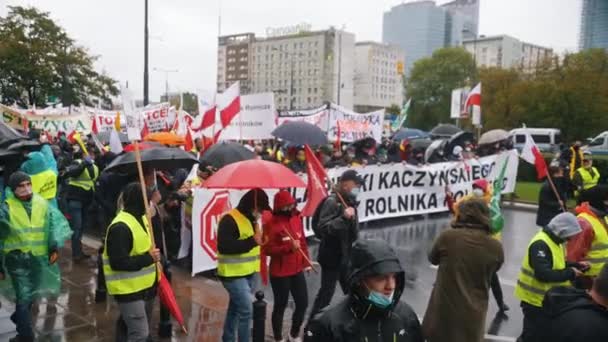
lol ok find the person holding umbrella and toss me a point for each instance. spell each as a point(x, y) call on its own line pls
point(286, 241)
point(129, 265)
point(238, 245)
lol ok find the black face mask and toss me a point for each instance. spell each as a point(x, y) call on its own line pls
point(284, 212)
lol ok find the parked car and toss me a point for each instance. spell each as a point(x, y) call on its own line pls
point(547, 139)
point(599, 144)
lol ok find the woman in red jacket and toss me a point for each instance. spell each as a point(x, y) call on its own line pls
point(285, 243)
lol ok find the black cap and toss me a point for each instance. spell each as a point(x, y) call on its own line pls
point(17, 178)
point(351, 175)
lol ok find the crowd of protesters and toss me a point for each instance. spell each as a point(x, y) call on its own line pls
point(368, 271)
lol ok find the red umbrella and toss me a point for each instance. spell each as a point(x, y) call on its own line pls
point(254, 173)
point(167, 299)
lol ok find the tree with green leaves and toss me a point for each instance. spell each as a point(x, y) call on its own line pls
point(431, 82)
point(38, 61)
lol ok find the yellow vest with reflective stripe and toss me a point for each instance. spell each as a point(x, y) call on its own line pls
point(237, 265)
point(598, 254)
point(84, 180)
point(45, 184)
point(27, 234)
point(124, 282)
point(528, 288)
point(588, 181)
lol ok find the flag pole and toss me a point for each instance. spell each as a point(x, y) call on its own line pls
point(559, 199)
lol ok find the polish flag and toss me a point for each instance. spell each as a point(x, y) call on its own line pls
point(206, 110)
point(189, 142)
point(229, 104)
point(145, 131)
point(532, 155)
point(94, 128)
point(474, 97)
point(316, 190)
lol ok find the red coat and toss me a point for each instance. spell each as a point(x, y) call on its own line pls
point(284, 260)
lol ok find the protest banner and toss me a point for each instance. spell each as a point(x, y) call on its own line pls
point(389, 191)
point(11, 116)
point(318, 117)
point(354, 126)
point(158, 117)
point(256, 120)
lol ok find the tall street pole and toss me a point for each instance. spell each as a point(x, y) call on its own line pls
point(146, 90)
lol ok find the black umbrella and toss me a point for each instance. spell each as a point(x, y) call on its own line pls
point(459, 139)
point(410, 134)
point(444, 131)
point(8, 135)
point(104, 137)
point(8, 154)
point(422, 144)
point(159, 158)
point(28, 145)
point(300, 133)
point(224, 153)
point(368, 142)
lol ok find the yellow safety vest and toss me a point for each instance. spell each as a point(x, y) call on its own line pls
point(237, 265)
point(573, 166)
point(598, 255)
point(588, 181)
point(528, 288)
point(45, 184)
point(124, 282)
point(84, 181)
point(27, 234)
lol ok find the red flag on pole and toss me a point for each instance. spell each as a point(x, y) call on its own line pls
point(338, 136)
point(316, 189)
point(189, 143)
point(145, 131)
point(532, 155)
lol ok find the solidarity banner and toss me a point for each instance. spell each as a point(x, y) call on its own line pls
point(11, 117)
point(256, 120)
point(318, 117)
point(354, 126)
point(388, 191)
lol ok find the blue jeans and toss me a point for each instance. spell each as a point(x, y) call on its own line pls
point(76, 212)
point(240, 309)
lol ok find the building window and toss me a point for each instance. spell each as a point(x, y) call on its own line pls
point(315, 91)
point(309, 90)
point(308, 99)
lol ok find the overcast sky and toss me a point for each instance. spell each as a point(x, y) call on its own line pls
point(184, 32)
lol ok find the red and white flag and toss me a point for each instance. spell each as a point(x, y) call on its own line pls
point(474, 97)
point(316, 190)
point(189, 144)
point(229, 104)
point(206, 111)
point(532, 155)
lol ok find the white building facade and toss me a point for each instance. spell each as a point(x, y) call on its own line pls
point(378, 76)
point(506, 52)
point(304, 69)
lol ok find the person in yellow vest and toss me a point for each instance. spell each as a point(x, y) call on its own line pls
point(238, 261)
point(44, 178)
point(129, 266)
point(592, 244)
point(81, 176)
point(31, 232)
point(587, 176)
point(544, 267)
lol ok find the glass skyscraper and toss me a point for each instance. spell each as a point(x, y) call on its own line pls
point(594, 24)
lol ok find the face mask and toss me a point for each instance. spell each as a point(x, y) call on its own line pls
point(478, 192)
point(24, 192)
point(380, 300)
point(355, 192)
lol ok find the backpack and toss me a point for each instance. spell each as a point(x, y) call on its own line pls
point(314, 223)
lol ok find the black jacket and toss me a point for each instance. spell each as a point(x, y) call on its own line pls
point(75, 193)
point(357, 319)
point(338, 232)
point(574, 316)
point(541, 261)
point(548, 203)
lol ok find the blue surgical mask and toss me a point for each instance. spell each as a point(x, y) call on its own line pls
point(380, 300)
point(355, 192)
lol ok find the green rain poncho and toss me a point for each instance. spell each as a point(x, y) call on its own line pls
point(38, 162)
point(32, 277)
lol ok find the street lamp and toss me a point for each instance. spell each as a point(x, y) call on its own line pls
point(291, 86)
point(146, 90)
point(166, 71)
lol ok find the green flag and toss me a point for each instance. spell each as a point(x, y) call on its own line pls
point(497, 221)
point(398, 123)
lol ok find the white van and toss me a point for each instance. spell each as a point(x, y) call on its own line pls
point(547, 139)
point(599, 144)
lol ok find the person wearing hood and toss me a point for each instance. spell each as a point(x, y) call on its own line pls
point(337, 225)
point(467, 257)
point(578, 315)
point(592, 244)
point(31, 232)
point(43, 176)
point(129, 266)
point(286, 246)
point(484, 191)
point(372, 310)
point(543, 268)
point(238, 244)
